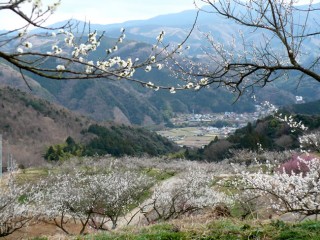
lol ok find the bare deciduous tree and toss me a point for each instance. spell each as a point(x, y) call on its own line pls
point(272, 43)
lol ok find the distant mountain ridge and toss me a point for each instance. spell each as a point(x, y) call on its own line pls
point(207, 21)
point(128, 103)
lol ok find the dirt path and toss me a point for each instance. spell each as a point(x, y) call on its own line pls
point(136, 217)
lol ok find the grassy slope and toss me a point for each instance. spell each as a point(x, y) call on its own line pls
point(226, 229)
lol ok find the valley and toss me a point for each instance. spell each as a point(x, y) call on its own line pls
point(198, 130)
point(202, 124)
point(191, 136)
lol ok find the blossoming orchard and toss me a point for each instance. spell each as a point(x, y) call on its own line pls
point(103, 193)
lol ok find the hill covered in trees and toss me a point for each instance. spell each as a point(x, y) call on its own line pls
point(309, 108)
point(115, 140)
point(30, 125)
point(270, 134)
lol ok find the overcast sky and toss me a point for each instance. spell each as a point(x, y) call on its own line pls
point(114, 11)
point(109, 11)
point(106, 11)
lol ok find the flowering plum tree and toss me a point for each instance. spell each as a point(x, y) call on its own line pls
point(281, 32)
point(282, 29)
point(89, 199)
point(14, 213)
point(295, 193)
point(181, 195)
point(68, 53)
point(311, 141)
point(293, 187)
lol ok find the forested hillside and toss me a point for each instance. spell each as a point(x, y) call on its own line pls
point(30, 125)
point(268, 134)
point(310, 108)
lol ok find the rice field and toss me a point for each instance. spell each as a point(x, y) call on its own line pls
point(189, 136)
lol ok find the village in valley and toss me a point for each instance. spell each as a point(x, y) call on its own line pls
point(198, 130)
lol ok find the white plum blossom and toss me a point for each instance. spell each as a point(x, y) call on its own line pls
point(287, 192)
point(69, 39)
point(310, 141)
point(294, 125)
point(159, 66)
point(189, 85)
point(161, 36)
point(14, 211)
point(172, 90)
point(89, 67)
point(93, 37)
point(148, 68)
point(150, 85)
point(54, 6)
point(56, 49)
point(203, 81)
point(22, 33)
point(152, 59)
point(37, 3)
point(74, 51)
point(197, 87)
point(60, 68)
point(19, 50)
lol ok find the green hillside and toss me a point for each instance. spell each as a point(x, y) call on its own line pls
point(269, 134)
point(310, 108)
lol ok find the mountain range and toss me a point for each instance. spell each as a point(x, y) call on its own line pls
point(124, 102)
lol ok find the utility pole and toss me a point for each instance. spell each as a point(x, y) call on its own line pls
point(0, 156)
point(9, 160)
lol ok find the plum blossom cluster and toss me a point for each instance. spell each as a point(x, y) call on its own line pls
point(310, 141)
point(292, 187)
point(74, 60)
point(101, 195)
point(292, 123)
